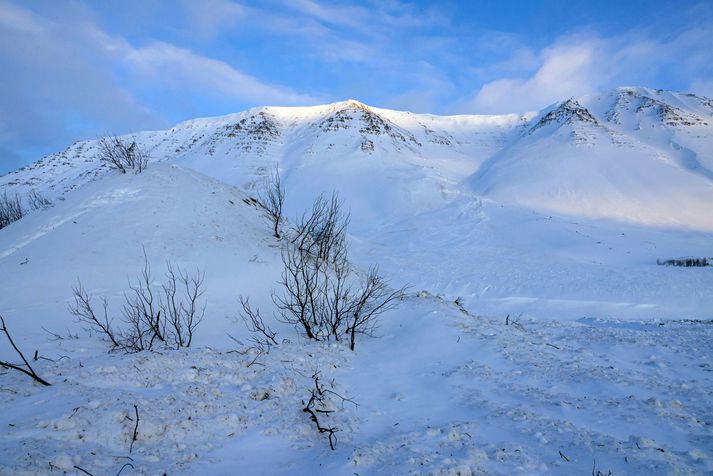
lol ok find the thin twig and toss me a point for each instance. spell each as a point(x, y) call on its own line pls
point(317, 396)
point(122, 468)
point(31, 371)
point(83, 470)
point(54, 334)
point(136, 429)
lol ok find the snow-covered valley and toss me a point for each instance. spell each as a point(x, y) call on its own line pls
point(538, 333)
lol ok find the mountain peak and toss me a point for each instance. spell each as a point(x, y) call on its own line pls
point(355, 115)
point(567, 112)
point(665, 107)
point(354, 103)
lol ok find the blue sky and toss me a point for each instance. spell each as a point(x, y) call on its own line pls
point(74, 70)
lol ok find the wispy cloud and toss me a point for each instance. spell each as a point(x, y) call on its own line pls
point(169, 66)
point(564, 70)
point(65, 78)
point(580, 64)
point(211, 17)
point(81, 68)
point(16, 18)
point(181, 68)
point(56, 87)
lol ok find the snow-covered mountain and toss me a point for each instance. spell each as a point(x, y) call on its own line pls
point(632, 154)
point(615, 180)
point(337, 143)
point(249, 141)
point(539, 335)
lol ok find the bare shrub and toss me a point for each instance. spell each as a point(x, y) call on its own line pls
point(299, 302)
point(11, 209)
point(321, 232)
point(371, 299)
point(83, 310)
point(319, 292)
point(271, 198)
point(686, 262)
point(321, 404)
point(122, 155)
point(263, 337)
point(168, 319)
point(37, 201)
point(142, 314)
point(182, 292)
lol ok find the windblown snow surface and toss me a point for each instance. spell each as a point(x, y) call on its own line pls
point(538, 335)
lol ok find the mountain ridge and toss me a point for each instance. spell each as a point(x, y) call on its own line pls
point(668, 132)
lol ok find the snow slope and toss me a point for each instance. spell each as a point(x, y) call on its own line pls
point(504, 259)
point(554, 219)
point(99, 232)
point(631, 154)
point(440, 390)
point(617, 156)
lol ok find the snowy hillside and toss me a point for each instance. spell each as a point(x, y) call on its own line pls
point(632, 155)
point(538, 334)
point(242, 144)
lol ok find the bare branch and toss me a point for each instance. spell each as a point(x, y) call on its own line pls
point(374, 298)
point(122, 155)
point(83, 470)
point(82, 309)
point(136, 430)
point(271, 198)
point(11, 209)
point(126, 465)
point(263, 336)
point(37, 200)
point(29, 370)
point(184, 314)
point(317, 404)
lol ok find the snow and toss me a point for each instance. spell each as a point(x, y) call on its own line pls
point(538, 334)
point(504, 259)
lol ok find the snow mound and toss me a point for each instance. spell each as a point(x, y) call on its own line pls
point(99, 232)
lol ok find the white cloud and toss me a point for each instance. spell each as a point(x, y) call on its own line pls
point(211, 17)
point(65, 78)
point(56, 86)
point(181, 68)
point(13, 17)
point(578, 65)
point(565, 70)
point(369, 18)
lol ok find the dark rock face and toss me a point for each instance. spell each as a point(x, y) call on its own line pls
point(669, 115)
point(569, 112)
point(622, 102)
point(255, 132)
point(369, 124)
point(628, 100)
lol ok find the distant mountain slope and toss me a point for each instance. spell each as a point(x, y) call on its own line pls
point(631, 154)
point(249, 141)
